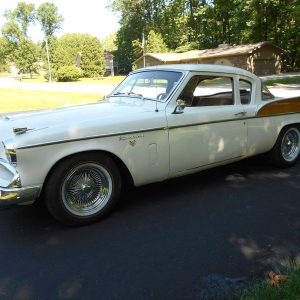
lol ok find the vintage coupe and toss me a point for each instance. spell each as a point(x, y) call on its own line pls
point(159, 123)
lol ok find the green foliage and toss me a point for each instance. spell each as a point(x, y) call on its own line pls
point(280, 81)
point(109, 42)
point(289, 289)
point(24, 15)
point(124, 55)
point(155, 43)
point(18, 47)
point(25, 57)
point(65, 50)
point(68, 73)
point(49, 18)
point(3, 54)
point(12, 32)
point(202, 24)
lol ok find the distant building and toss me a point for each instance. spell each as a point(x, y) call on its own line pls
point(261, 58)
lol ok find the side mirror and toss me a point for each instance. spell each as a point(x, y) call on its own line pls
point(179, 107)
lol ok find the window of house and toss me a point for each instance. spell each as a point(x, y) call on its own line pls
point(245, 88)
point(204, 90)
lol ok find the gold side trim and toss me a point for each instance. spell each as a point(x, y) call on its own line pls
point(279, 107)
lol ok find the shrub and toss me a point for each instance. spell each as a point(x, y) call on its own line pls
point(68, 73)
point(66, 49)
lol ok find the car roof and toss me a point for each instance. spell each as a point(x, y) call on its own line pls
point(200, 68)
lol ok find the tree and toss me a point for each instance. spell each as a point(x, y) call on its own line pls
point(12, 32)
point(25, 57)
point(109, 42)
point(68, 46)
point(202, 24)
point(24, 14)
point(49, 18)
point(19, 47)
point(155, 43)
point(4, 51)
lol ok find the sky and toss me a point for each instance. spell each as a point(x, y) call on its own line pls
point(87, 16)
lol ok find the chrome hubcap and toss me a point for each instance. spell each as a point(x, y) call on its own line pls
point(86, 189)
point(290, 145)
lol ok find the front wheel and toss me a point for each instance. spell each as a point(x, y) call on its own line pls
point(83, 188)
point(286, 151)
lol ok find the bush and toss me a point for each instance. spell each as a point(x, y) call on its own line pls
point(70, 46)
point(68, 73)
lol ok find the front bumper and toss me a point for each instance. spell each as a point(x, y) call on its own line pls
point(23, 195)
point(11, 190)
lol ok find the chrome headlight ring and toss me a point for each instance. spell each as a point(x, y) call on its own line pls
point(10, 151)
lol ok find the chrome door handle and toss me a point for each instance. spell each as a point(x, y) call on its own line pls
point(240, 114)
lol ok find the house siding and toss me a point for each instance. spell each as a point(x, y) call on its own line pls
point(263, 60)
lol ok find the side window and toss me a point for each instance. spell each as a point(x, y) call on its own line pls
point(265, 93)
point(245, 88)
point(204, 90)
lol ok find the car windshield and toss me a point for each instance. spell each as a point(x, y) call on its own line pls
point(153, 85)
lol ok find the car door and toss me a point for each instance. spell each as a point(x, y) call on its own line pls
point(210, 129)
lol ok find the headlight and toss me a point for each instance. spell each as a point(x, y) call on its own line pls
point(10, 152)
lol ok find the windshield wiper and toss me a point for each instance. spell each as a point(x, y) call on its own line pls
point(135, 94)
point(118, 93)
point(127, 94)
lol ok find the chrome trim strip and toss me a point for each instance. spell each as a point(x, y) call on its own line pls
point(214, 163)
point(229, 120)
point(90, 138)
point(206, 123)
point(147, 130)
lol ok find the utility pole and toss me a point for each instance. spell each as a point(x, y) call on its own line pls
point(143, 47)
point(48, 59)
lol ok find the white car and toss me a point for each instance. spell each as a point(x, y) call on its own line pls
point(159, 123)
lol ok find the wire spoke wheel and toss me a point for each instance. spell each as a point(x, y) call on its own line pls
point(86, 189)
point(83, 188)
point(290, 145)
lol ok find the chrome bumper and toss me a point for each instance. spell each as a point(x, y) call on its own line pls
point(24, 195)
point(11, 191)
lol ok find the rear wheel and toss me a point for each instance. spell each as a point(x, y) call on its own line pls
point(83, 188)
point(286, 151)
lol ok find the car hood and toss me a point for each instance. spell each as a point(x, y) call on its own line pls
point(119, 115)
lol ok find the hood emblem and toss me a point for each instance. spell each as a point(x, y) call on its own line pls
point(20, 130)
point(132, 143)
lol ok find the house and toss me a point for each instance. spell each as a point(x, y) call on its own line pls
point(261, 58)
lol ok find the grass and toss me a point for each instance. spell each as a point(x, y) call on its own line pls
point(12, 100)
point(286, 80)
point(100, 80)
point(288, 290)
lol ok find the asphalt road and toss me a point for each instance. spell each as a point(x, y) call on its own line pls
point(188, 238)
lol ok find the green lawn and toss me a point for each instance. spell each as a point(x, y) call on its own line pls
point(288, 290)
point(12, 100)
point(286, 80)
point(100, 80)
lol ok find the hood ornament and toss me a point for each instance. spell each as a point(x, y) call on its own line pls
point(20, 130)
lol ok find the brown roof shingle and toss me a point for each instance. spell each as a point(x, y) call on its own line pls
point(221, 51)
